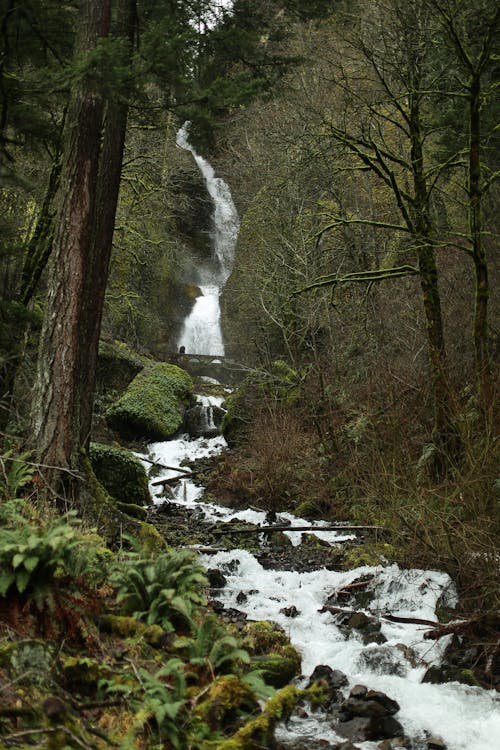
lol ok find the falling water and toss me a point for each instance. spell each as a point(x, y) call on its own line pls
point(202, 333)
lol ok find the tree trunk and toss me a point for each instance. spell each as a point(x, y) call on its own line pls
point(481, 350)
point(444, 433)
point(57, 405)
point(107, 199)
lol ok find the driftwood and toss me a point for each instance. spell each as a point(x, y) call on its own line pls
point(270, 529)
point(206, 550)
point(164, 466)
point(171, 480)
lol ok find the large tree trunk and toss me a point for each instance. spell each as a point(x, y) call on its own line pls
point(107, 199)
point(57, 397)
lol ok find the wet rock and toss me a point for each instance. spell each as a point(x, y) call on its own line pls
point(382, 660)
point(436, 743)
point(203, 421)
point(290, 611)
point(358, 691)
point(371, 703)
point(241, 597)
point(359, 621)
point(216, 579)
point(334, 678)
point(364, 728)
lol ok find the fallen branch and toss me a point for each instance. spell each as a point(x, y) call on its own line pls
point(270, 529)
point(412, 621)
point(172, 480)
point(164, 466)
point(353, 585)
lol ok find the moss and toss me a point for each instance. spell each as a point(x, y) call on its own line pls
point(121, 473)
point(136, 511)
point(308, 509)
point(279, 668)
point(226, 699)
point(117, 365)
point(129, 627)
point(468, 677)
point(279, 539)
point(368, 554)
point(153, 404)
point(262, 636)
point(151, 539)
point(259, 732)
point(82, 674)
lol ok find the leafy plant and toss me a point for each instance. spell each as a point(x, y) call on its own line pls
point(31, 552)
point(212, 647)
point(16, 473)
point(160, 590)
point(160, 696)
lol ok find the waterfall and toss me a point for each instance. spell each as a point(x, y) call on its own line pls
point(201, 332)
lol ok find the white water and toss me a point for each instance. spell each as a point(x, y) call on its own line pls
point(202, 333)
point(466, 718)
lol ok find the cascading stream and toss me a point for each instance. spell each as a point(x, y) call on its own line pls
point(201, 332)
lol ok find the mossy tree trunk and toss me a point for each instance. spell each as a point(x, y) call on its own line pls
point(475, 65)
point(63, 359)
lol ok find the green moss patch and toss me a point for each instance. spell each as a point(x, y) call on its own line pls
point(121, 473)
point(153, 405)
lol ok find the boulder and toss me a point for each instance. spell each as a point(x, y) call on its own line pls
point(121, 474)
point(153, 405)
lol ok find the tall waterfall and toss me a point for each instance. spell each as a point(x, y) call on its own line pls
point(201, 332)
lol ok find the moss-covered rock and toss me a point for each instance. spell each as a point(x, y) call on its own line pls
point(121, 473)
point(279, 668)
point(227, 698)
point(82, 674)
point(117, 365)
point(153, 405)
point(130, 627)
point(259, 732)
point(262, 636)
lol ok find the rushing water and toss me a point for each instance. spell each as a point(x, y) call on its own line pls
point(466, 718)
point(202, 333)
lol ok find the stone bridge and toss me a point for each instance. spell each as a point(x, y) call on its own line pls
point(221, 368)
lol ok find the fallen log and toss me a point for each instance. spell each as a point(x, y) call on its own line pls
point(164, 466)
point(171, 480)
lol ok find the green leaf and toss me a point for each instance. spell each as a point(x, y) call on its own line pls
point(22, 580)
point(17, 560)
point(6, 581)
point(30, 563)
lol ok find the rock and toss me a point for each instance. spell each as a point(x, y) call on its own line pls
point(153, 405)
point(372, 703)
point(358, 691)
point(359, 621)
point(203, 421)
point(436, 743)
point(121, 473)
point(290, 611)
point(241, 597)
point(333, 677)
point(382, 660)
point(387, 726)
point(216, 579)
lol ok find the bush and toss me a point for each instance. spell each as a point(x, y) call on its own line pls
point(153, 404)
point(121, 473)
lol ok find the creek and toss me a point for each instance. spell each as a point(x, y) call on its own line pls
point(392, 657)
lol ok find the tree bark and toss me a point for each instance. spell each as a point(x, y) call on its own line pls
point(57, 396)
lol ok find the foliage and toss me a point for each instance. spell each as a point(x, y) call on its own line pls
point(31, 556)
point(212, 648)
point(152, 406)
point(164, 590)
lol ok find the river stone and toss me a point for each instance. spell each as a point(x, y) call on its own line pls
point(373, 703)
point(198, 424)
point(382, 660)
point(358, 691)
point(333, 677)
point(359, 621)
point(435, 743)
point(290, 611)
point(216, 579)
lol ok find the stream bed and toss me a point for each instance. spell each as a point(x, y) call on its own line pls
point(335, 623)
